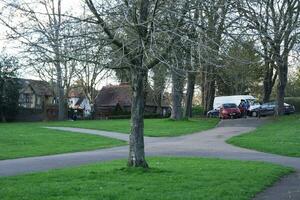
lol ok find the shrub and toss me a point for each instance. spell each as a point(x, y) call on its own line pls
point(197, 110)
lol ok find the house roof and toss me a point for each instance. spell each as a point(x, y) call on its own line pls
point(112, 95)
point(41, 88)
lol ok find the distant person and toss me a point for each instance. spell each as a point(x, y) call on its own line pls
point(243, 108)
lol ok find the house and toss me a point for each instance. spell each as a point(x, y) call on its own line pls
point(78, 101)
point(35, 94)
point(116, 100)
point(37, 101)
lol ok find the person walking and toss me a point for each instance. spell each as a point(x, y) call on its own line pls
point(243, 108)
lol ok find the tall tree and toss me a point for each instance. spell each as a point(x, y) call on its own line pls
point(277, 24)
point(178, 57)
point(213, 19)
point(193, 60)
point(135, 37)
point(40, 33)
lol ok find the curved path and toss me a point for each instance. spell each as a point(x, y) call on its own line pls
point(210, 143)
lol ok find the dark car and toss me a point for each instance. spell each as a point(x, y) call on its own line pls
point(229, 111)
point(267, 109)
point(213, 113)
point(270, 109)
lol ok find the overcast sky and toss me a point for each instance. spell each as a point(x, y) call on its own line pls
point(12, 48)
point(73, 6)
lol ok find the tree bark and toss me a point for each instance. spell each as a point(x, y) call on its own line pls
point(60, 93)
point(3, 119)
point(209, 89)
point(282, 82)
point(269, 76)
point(191, 79)
point(159, 79)
point(177, 94)
point(136, 140)
point(268, 83)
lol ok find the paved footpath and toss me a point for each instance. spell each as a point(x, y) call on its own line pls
point(210, 143)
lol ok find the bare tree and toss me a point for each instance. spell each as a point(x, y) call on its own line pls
point(130, 27)
point(40, 33)
point(277, 24)
point(214, 21)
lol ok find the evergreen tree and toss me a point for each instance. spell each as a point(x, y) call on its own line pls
point(9, 88)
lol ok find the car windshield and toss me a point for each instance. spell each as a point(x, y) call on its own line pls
point(253, 102)
point(270, 103)
point(229, 105)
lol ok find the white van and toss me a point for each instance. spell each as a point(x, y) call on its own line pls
point(232, 99)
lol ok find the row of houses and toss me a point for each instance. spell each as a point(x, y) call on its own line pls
point(37, 101)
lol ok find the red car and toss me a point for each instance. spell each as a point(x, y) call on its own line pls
point(229, 111)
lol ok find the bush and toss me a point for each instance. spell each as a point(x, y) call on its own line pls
point(197, 110)
point(295, 101)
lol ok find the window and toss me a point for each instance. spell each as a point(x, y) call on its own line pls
point(27, 98)
point(38, 100)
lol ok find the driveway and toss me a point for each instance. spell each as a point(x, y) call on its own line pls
point(210, 143)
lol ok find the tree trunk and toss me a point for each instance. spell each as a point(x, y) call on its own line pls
point(136, 140)
point(269, 81)
point(159, 79)
point(209, 89)
point(158, 101)
point(282, 82)
point(202, 85)
point(3, 119)
point(177, 94)
point(190, 94)
point(60, 93)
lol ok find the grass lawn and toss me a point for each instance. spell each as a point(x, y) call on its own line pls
point(29, 139)
point(282, 136)
point(153, 127)
point(168, 179)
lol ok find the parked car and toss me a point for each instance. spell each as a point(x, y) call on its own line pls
point(254, 108)
point(269, 108)
point(236, 99)
point(213, 113)
point(229, 111)
point(289, 109)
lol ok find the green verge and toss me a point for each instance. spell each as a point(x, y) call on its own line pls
point(153, 127)
point(167, 179)
point(30, 139)
point(281, 136)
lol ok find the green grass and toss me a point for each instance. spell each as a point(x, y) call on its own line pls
point(30, 139)
point(168, 179)
point(282, 136)
point(153, 127)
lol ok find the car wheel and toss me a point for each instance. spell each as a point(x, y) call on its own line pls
point(254, 114)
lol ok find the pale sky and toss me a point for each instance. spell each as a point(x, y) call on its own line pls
point(12, 48)
point(73, 6)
